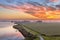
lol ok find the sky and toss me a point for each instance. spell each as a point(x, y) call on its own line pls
point(14, 14)
point(16, 9)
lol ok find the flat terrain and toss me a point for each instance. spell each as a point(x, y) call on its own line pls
point(47, 29)
point(44, 28)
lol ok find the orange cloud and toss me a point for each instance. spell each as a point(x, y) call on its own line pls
point(29, 11)
point(14, 14)
point(44, 13)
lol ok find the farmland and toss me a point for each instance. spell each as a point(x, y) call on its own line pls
point(45, 28)
point(49, 31)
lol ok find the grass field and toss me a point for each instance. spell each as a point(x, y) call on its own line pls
point(51, 38)
point(45, 28)
point(48, 29)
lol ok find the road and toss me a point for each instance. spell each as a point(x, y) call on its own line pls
point(41, 38)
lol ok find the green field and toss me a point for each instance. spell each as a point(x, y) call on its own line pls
point(51, 38)
point(47, 30)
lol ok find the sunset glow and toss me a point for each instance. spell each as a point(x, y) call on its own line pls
point(42, 12)
point(14, 14)
point(31, 10)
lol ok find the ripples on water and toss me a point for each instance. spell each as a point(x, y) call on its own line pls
point(7, 32)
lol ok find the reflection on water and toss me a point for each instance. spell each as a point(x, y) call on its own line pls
point(7, 32)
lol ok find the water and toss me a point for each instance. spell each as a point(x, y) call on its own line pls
point(7, 32)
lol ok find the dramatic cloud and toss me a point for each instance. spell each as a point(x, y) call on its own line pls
point(37, 8)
